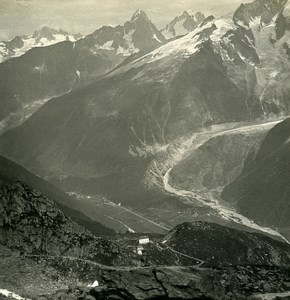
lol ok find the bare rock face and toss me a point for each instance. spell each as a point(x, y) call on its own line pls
point(266, 9)
point(159, 283)
point(174, 283)
point(137, 34)
point(282, 25)
point(183, 24)
point(12, 173)
point(229, 283)
point(32, 224)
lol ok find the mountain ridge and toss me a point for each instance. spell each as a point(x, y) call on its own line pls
point(46, 36)
point(183, 24)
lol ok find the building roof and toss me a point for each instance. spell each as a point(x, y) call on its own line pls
point(144, 237)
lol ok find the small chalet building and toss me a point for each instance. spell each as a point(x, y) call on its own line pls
point(143, 240)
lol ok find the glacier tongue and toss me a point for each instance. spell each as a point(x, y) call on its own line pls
point(205, 198)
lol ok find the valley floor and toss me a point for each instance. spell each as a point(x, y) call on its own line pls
point(199, 204)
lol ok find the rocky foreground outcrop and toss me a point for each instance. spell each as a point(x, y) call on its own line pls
point(32, 223)
point(181, 283)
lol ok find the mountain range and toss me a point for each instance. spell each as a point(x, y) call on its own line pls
point(183, 24)
point(115, 136)
point(44, 37)
point(46, 72)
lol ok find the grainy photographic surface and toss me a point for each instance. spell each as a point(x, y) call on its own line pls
point(144, 149)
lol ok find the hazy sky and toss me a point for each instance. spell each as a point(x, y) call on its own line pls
point(24, 16)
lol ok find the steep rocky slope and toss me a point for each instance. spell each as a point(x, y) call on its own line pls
point(45, 72)
point(13, 173)
point(33, 224)
point(262, 191)
point(44, 37)
point(265, 10)
point(217, 162)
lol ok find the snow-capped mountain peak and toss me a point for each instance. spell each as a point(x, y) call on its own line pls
point(44, 37)
point(183, 24)
point(264, 9)
point(137, 34)
point(139, 14)
point(191, 12)
point(54, 35)
point(45, 32)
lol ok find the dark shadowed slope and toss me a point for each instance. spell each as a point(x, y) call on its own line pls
point(33, 225)
point(13, 174)
point(262, 191)
point(220, 245)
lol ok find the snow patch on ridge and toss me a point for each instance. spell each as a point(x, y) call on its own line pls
point(187, 45)
point(107, 46)
point(136, 15)
point(130, 48)
point(223, 26)
point(11, 295)
point(30, 42)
